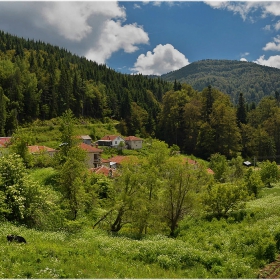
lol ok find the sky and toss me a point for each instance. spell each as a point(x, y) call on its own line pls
point(151, 37)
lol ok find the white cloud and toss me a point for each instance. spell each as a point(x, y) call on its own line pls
point(273, 46)
point(245, 7)
point(245, 54)
point(72, 19)
point(272, 61)
point(163, 59)
point(242, 8)
point(272, 8)
point(115, 37)
point(94, 29)
point(243, 59)
point(136, 6)
point(267, 27)
point(277, 25)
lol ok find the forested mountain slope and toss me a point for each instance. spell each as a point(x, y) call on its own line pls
point(231, 77)
point(38, 80)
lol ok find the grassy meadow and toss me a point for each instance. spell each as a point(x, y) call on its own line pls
point(203, 249)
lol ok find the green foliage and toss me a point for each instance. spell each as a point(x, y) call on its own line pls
point(269, 173)
point(222, 198)
point(20, 196)
point(71, 177)
point(20, 141)
point(219, 164)
point(253, 181)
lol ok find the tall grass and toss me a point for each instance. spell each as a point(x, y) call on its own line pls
point(203, 249)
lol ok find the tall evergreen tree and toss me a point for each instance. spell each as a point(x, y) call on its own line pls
point(209, 102)
point(241, 110)
point(3, 112)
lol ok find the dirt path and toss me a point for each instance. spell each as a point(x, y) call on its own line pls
point(271, 271)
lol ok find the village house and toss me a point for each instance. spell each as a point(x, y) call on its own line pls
point(104, 170)
point(116, 161)
point(196, 164)
point(111, 141)
point(133, 142)
point(5, 141)
point(39, 150)
point(93, 155)
point(85, 139)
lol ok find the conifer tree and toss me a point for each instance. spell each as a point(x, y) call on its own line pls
point(241, 110)
point(3, 112)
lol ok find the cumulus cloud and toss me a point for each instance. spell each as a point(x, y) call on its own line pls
point(163, 59)
point(267, 28)
point(273, 46)
point(71, 19)
point(243, 59)
point(272, 61)
point(92, 29)
point(277, 25)
point(136, 6)
point(116, 37)
point(244, 8)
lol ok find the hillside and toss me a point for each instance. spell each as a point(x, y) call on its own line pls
point(231, 77)
point(41, 81)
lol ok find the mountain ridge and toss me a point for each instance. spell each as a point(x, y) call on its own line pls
point(229, 76)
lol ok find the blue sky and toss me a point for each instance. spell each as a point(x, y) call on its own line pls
point(151, 37)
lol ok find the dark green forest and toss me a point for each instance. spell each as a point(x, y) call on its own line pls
point(41, 81)
point(38, 80)
point(231, 77)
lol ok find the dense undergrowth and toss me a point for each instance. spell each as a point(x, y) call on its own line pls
point(203, 249)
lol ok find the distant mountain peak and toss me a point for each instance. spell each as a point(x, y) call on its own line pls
point(229, 76)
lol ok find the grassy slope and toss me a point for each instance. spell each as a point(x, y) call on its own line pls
point(47, 132)
point(217, 249)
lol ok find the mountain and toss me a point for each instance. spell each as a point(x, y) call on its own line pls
point(42, 81)
point(231, 77)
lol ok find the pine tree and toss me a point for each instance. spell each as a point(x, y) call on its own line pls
point(209, 102)
point(3, 112)
point(241, 110)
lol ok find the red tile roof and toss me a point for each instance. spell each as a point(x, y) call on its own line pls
point(109, 137)
point(39, 149)
point(118, 159)
point(103, 170)
point(191, 161)
point(90, 148)
point(132, 138)
point(194, 162)
point(4, 141)
point(210, 171)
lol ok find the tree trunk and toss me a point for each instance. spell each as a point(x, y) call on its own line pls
point(117, 225)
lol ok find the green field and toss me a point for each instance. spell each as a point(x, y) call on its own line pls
point(216, 249)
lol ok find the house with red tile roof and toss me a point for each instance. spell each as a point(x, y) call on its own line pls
point(39, 150)
point(5, 141)
point(111, 141)
point(133, 142)
point(195, 164)
point(93, 155)
point(105, 170)
point(116, 161)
